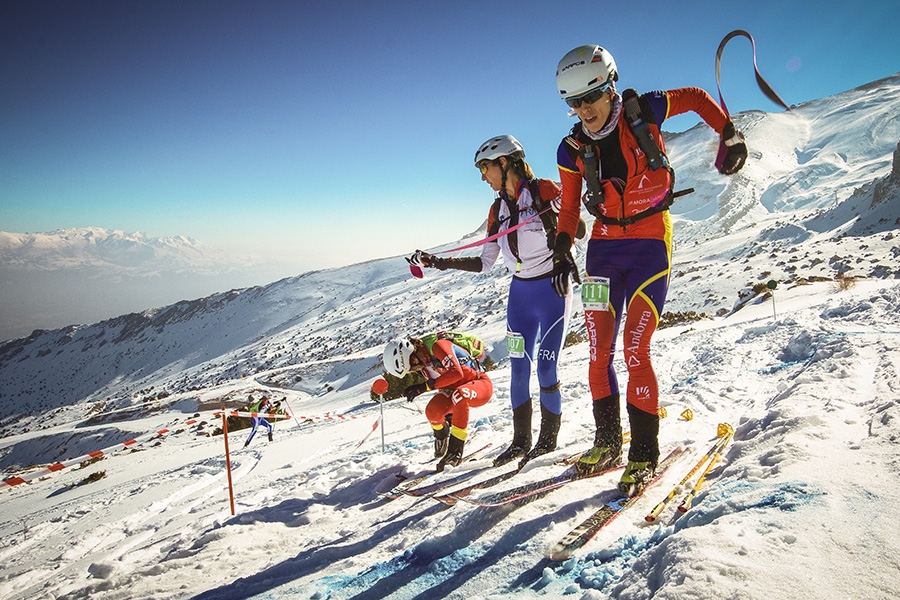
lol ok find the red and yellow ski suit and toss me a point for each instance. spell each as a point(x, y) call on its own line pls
point(635, 257)
point(462, 386)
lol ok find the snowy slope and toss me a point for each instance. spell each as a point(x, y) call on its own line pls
point(800, 506)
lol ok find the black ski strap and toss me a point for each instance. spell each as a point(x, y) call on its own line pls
point(495, 213)
point(549, 218)
point(513, 238)
point(764, 86)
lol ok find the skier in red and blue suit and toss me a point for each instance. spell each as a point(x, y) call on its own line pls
point(631, 242)
point(460, 382)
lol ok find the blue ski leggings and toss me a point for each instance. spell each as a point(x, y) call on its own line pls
point(257, 421)
point(541, 317)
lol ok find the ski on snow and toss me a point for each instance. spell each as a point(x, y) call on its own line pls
point(455, 495)
point(532, 489)
point(406, 485)
point(603, 516)
point(457, 477)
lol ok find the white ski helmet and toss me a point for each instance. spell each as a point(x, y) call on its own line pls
point(494, 148)
point(396, 356)
point(583, 69)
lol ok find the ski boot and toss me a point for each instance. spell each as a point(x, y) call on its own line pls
point(643, 454)
point(547, 438)
point(521, 442)
point(636, 476)
point(270, 436)
point(454, 453)
point(441, 438)
point(607, 450)
point(598, 458)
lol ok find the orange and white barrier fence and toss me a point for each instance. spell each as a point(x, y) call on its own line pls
point(235, 413)
point(371, 431)
point(328, 417)
point(59, 466)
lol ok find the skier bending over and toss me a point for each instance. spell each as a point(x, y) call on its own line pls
point(459, 380)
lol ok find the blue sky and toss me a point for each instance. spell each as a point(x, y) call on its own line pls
point(326, 133)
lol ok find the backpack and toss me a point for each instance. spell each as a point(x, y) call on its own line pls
point(638, 116)
point(472, 344)
point(548, 218)
point(534, 186)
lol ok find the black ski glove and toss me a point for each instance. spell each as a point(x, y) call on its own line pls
point(414, 390)
point(564, 265)
point(732, 151)
point(422, 259)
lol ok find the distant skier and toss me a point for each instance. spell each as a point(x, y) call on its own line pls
point(462, 384)
point(536, 318)
point(259, 407)
point(621, 160)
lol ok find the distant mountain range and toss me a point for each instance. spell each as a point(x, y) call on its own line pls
point(116, 252)
point(82, 275)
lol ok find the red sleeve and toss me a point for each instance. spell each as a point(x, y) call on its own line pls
point(698, 100)
point(451, 371)
point(570, 205)
point(548, 189)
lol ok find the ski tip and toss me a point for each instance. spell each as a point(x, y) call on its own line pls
point(558, 553)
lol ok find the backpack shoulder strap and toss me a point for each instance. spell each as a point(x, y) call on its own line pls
point(494, 224)
point(639, 114)
point(429, 340)
point(548, 217)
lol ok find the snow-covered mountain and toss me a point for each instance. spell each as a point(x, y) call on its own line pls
point(809, 379)
point(83, 275)
point(117, 252)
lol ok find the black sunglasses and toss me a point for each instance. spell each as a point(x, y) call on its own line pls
point(589, 98)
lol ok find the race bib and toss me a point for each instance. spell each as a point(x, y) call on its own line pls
point(515, 344)
point(595, 293)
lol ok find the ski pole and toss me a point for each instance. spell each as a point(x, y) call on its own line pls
point(654, 514)
point(689, 498)
point(380, 386)
point(292, 411)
